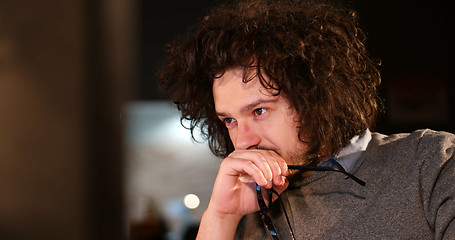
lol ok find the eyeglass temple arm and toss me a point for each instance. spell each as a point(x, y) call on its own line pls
point(323, 169)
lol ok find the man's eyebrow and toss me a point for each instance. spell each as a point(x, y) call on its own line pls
point(250, 106)
point(254, 104)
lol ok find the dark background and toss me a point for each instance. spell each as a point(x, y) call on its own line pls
point(413, 39)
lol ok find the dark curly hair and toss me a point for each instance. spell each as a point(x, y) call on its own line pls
point(312, 51)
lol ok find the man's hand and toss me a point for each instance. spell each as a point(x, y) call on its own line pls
point(234, 192)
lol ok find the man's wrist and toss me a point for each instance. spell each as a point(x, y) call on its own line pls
point(215, 225)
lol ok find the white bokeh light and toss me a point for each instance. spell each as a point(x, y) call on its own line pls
point(191, 201)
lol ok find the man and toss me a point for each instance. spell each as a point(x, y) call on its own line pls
point(274, 84)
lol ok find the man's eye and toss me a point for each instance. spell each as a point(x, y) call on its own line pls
point(259, 111)
point(228, 121)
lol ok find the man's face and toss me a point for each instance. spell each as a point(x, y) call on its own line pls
point(255, 118)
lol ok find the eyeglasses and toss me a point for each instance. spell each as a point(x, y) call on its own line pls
point(263, 209)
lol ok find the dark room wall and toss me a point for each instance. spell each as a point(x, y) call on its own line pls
point(65, 71)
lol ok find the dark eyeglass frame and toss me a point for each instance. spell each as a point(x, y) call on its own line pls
point(263, 209)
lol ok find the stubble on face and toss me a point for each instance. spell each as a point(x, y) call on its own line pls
point(297, 156)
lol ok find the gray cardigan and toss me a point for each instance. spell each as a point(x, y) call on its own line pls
point(409, 194)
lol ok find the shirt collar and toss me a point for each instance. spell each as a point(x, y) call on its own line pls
point(351, 156)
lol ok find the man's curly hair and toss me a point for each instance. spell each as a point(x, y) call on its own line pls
point(312, 52)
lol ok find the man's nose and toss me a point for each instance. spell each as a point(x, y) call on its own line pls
point(246, 137)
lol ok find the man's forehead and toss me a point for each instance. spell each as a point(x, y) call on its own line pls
point(231, 73)
point(233, 95)
point(244, 77)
